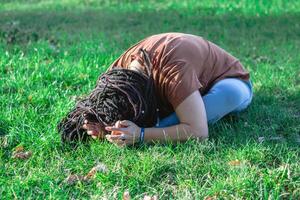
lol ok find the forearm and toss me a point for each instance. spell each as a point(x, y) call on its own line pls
point(180, 132)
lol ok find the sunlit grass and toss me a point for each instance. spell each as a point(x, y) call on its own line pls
point(51, 52)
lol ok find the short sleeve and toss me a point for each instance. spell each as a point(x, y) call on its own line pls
point(180, 81)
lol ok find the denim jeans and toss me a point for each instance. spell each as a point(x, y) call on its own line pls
point(230, 95)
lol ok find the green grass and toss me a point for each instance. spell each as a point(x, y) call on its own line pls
point(52, 52)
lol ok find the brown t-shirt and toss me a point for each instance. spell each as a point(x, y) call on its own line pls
point(182, 64)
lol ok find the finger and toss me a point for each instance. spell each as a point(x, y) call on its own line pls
point(117, 124)
point(119, 143)
point(90, 132)
point(93, 126)
point(125, 123)
point(84, 126)
point(110, 128)
point(116, 137)
point(94, 137)
point(121, 124)
point(90, 126)
point(90, 123)
point(116, 133)
point(112, 140)
point(93, 132)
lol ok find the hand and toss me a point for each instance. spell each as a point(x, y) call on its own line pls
point(124, 133)
point(93, 129)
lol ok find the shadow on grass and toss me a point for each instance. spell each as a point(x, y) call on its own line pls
point(272, 122)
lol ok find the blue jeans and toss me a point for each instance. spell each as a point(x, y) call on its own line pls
point(229, 95)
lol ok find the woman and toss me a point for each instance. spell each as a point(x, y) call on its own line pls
point(185, 83)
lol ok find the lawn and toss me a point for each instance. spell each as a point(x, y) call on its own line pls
point(51, 53)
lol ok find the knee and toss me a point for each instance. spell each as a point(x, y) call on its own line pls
point(236, 97)
point(226, 96)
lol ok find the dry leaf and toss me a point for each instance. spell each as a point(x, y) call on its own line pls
point(126, 195)
point(234, 163)
point(100, 167)
point(22, 155)
point(210, 198)
point(91, 173)
point(74, 178)
point(19, 149)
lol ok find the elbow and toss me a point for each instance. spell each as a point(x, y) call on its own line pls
point(202, 136)
point(201, 133)
point(196, 132)
point(205, 136)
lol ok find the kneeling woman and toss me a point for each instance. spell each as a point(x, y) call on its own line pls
point(165, 87)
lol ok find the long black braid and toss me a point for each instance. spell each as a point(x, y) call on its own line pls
point(120, 94)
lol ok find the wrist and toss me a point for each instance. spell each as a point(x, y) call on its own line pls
point(142, 135)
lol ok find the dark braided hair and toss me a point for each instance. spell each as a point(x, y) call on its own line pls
point(120, 94)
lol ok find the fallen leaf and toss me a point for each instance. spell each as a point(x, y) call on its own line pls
point(91, 173)
point(126, 195)
point(74, 178)
point(100, 167)
point(19, 149)
point(234, 163)
point(22, 155)
point(210, 198)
